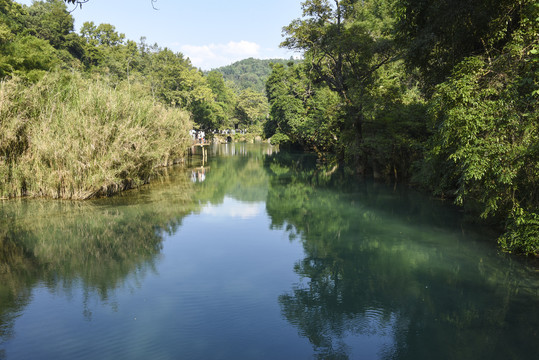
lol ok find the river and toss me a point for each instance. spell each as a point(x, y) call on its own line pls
point(259, 254)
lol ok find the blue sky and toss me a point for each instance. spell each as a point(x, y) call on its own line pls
point(211, 33)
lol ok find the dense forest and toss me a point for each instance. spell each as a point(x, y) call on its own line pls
point(442, 93)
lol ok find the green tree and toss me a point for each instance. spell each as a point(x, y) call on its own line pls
point(12, 16)
point(252, 108)
point(177, 82)
point(225, 98)
point(103, 47)
point(50, 20)
point(345, 43)
point(285, 91)
point(21, 53)
point(300, 111)
point(31, 58)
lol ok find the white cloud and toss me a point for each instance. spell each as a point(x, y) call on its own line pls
point(215, 55)
point(234, 209)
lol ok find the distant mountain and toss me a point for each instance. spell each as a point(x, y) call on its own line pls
point(250, 73)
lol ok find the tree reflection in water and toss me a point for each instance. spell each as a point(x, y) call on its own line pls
point(388, 274)
point(96, 245)
point(106, 244)
point(385, 273)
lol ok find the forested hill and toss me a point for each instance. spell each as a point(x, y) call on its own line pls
point(250, 73)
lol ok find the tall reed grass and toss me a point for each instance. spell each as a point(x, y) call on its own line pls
point(70, 137)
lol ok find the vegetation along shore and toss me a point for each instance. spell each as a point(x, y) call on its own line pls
point(440, 94)
point(91, 113)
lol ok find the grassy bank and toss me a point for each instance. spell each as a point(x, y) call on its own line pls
point(70, 137)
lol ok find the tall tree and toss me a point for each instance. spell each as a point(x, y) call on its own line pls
point(252, 108)
point(345, 42)
point(225, 98)
point(302, 112)
point(51, 21)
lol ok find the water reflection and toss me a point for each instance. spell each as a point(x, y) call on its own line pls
point(235, 170)
point(389, 275)
point(99, 247)
point(93, 245)
point(370, 272)
point(198, 174)
point(243, 149)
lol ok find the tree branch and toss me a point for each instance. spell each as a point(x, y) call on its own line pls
point(80, 2)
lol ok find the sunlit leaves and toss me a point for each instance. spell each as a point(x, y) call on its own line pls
point(489, 132)
point(301, 112)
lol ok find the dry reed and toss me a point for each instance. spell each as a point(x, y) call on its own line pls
point(70, 137)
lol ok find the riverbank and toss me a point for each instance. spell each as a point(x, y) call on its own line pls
point(73, 138)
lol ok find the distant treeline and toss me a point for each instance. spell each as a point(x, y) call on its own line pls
point(443, 93)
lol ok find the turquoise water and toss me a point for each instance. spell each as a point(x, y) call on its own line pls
point(258, 254)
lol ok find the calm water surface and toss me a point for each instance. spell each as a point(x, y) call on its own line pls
point(259, 255)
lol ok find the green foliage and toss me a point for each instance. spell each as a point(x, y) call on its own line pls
point(345, 44)
point(175, 81)
point(437, 35)
point(395, 129)
point(489, 130)
point(105, 48)
point(249, 73)
point(487, 124)
point(279, 138)
point(12, 15)
point(252, 108)
point(367, 109)
point(49, 20)
point(30, 56)
point(442, 91)
point(522, 232)
point(300, 113)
